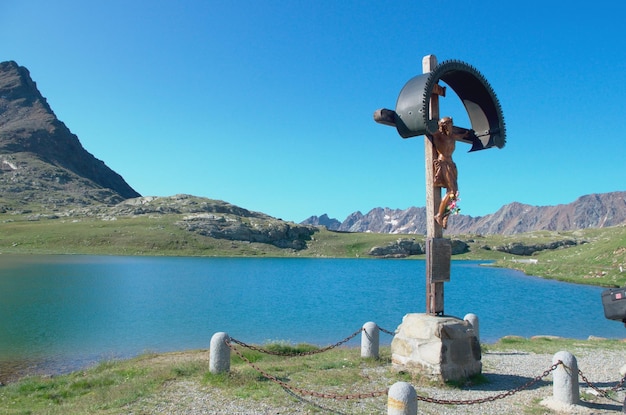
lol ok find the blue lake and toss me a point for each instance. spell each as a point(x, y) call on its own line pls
point(58, 313)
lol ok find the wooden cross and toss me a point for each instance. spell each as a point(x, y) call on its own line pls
point(411, 119)
point(438, 249)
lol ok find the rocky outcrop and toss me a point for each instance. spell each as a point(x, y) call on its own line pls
point(274, 232)
point(41, 161)
point(518, 248)
point(590, 211)
point(401, 248)
point(405, 247)
point(207, 217)
point(459, 247)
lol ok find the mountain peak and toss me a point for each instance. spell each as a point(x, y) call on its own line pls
point(41, 161)
point(324, 220)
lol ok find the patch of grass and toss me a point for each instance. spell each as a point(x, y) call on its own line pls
point(535, 408)
point(187, 369)
point(252, 356)
point(287, 349)
point(103, 389)
point(551, 345)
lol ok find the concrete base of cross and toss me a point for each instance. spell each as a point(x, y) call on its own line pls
point(444, 348)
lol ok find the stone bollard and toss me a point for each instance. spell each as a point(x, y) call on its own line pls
point(219, 353)
point(565, 379)
point(370, 340)
point(401, 399)
point(473, 320)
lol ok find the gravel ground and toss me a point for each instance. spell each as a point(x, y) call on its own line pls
point(504, 371)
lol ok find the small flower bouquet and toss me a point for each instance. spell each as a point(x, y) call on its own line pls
point(453, 205)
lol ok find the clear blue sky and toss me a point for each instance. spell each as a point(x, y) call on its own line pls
point(268, 104)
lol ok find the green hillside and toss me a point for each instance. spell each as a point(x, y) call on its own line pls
point(596, 260)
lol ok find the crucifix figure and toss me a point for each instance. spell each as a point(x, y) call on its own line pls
point(445, 172)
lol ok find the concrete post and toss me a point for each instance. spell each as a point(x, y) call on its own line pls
point(565, 379)
point(473, 320)
point(370, 340)
point(219, 353)
point(401, 399)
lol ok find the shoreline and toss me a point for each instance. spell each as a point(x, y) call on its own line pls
point(493, 263)
point(12, 371)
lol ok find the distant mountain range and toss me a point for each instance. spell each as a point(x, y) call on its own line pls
point(45, 169)
point(590, 211)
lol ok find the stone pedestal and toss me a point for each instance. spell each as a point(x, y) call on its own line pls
point(444, 348)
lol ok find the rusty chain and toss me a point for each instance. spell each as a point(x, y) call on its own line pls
point(387, 331)
point(524, 386)
point(305, 392)
point(495, 397)
point(604, 393)
point(309, 353)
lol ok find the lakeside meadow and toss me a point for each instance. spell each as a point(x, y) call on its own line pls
point(598, 258)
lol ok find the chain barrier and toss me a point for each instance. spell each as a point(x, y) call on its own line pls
point(495, 397)
point(301, 391)
point(309, 353)
point(290, 354)
point(375, 394)
point(387, 331)
point(604, 393)
point(305, 392)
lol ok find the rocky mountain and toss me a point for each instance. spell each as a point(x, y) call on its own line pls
point(42, 164)
point(45, 173)
point(590, 211)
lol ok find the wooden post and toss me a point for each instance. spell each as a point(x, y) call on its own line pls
point(434, 285)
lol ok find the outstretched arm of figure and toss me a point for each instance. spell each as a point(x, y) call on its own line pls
point(468, 136)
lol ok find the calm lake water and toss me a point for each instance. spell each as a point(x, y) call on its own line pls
point(58, 313)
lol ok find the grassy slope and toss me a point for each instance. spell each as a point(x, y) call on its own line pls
point(595, 262)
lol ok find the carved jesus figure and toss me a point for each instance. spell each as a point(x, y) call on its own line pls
point(444, 168)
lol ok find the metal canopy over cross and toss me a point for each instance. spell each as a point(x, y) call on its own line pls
point(417, 113)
